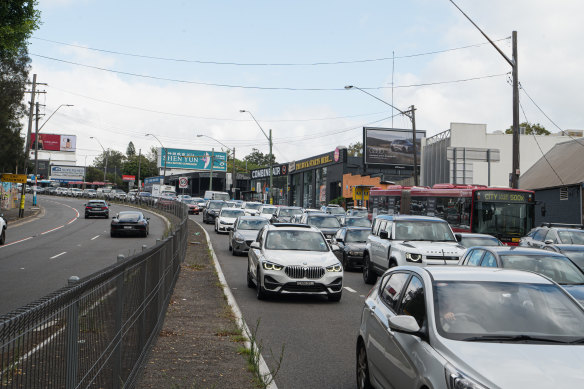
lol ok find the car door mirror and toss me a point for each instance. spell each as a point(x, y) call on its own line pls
point(404, 323)
point(340, 240)
point(255, 245)
point(458, 237)
point(548, 241)
point(383, 235)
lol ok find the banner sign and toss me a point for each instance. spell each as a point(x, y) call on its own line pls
point(192, 159)
point(278, 170)
point(320, 160)
point(502, 196)
point(15, 178)
point(391, 146)
point(54, 142)
point(128, 178)
point(67, 173)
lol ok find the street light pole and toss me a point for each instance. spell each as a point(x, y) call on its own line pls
point(165, 154)
point(411, 114)
point(232, 150)
point(105, 153)
point(269, 138)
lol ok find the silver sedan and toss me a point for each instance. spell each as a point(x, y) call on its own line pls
point(244, 232)
point(476, 328)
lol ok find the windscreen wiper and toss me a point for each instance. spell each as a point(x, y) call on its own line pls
point(512, 338)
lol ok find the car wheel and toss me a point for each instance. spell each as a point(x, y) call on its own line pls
point(368, 276)
point(345, 262)
point(250, 283)
point(87, 217)
point(336, 297)
point(112, 234)
point(230, 247)
point(260, 291)
point(3, 236)
point(363, 381)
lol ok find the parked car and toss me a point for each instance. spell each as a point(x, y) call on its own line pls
point(211, 211)
point(442, 327)
point(97, 208)
point(285, 214)
point(193, 206)
point(351, 242)
point(355, 221)
point(556, 266)
point(328, 224)
point(129, 222)
point(90, 193)
point(468, 239)
point(397, 240)
point(224, 221)
point(3, 226)
point(289, 259)
point(244, 232)
point(251, 208)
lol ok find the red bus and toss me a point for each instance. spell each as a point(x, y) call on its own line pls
point(505, 213)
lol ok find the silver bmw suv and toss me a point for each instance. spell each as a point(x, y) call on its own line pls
point(408, 240)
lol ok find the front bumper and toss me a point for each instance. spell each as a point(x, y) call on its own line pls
point(355, 260)
point(224, 227)
point(277, 282)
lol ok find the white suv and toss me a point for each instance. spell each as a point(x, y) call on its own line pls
point(3, 224)
point(408, 240)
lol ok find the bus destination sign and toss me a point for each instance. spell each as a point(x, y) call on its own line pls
point(501, 196)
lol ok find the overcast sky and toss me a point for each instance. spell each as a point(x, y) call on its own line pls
point(181, 68)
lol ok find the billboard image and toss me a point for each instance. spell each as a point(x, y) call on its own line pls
point(54, 142)
point(67, 173)
point(391, 146)
point(192, 159)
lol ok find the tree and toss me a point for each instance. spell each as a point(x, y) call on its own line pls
point(257, 159)
point(19, 19)
point(355, 149)
point(530, 129)
point(131, 150)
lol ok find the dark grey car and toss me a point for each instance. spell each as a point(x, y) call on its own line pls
point(327, 223)
point(351, 242)
point(244, 232)
point(97, 208)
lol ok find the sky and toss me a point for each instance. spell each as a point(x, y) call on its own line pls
point(182, 68)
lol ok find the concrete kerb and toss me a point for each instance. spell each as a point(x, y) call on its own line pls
point(264, 370)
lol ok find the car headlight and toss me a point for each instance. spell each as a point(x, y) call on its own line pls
point(335, 268)
point(272, 266)
point(355, 252)
point(411, 257)
point(457, 380)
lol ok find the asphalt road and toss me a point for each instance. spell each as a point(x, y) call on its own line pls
point(319, 336)
point(41, 254)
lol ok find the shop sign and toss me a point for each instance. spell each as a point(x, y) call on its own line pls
point(321, 160)
point(14, 178)
point(280, 170)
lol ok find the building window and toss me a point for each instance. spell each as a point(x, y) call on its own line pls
point(564, 193)
point(321, 186)
point(308, 190)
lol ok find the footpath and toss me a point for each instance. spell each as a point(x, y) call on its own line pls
point(11, 215)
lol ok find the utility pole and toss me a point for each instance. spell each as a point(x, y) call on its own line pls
point(516, 172)
point(233, 180)
point(27, 152)
point(415, 148)
point(271, 170)
point(36, 156)
point(211, 170)
point(139, 163)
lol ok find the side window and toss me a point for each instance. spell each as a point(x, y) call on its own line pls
point(387, 227)
point(340, 234)
point(379, 226)
point(413, 302)
point(539, 234)
point(551, 235)
point(260, 237)
point(489, 260)
point(474, 258)
point(391, 291)
point(375, 228)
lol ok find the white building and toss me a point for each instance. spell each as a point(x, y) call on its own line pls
point(469, 144)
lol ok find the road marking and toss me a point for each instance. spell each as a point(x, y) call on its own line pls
point(349, 289)
point(15, 242)
point(58, 255)
point(95, 237)
point(54, 229)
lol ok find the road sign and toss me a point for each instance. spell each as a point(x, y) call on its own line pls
point(183, 182)
point(17, 178)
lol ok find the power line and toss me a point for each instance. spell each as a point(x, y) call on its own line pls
point(264, 64)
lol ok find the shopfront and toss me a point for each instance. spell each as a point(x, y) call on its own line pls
point(260, 183)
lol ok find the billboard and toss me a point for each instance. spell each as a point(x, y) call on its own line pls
point(67, 173)
point(192, 159)
point(54, 142)
point(391, 146)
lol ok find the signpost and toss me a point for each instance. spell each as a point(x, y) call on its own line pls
point(183, 182)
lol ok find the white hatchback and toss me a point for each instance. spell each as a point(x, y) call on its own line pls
point(224, 222)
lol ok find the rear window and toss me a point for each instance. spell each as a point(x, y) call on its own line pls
point(96, 203)
point(129, 216)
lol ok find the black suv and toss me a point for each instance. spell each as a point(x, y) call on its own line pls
point(212, 209)
point(97, 208)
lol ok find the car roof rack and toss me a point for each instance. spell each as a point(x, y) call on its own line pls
point(291, 225)
point(565, 225)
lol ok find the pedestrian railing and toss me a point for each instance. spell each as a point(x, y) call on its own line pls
point(95, 332)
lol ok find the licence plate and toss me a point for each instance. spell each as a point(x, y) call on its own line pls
point(128, 227)
point(305, 283)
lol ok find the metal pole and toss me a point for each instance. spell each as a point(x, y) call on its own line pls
point(27, 153)
point(211, 170)
point(489, 167)
point(139, 163)
point(36, 156)
point(515, 173)
point(271, 170)
point(165, 158)
point(233, 179)
point(415, 148)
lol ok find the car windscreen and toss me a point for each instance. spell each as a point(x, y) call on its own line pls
point(247, 224)
point(267, 211)
point(571, 236)
point(479, 241)
point(189, 201)
point(129, 217)
point(290, 212)
point(323, 222)
point(423, 230)
point(356, 236)
point(357, 222)
point(558, 268)
point(216, 205)
point(497, 311)
point(232, 213)
point(576, 256)
point(296, 240)
point(335, 210)
point(359, 212)
point(253, 206)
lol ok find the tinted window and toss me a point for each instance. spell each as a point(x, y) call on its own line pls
point(470, 241)
point(232, 212)
point(357, 236)
point(474, 258)
point(539, 234)
point(323, 221)
point(391, 291)
point(129, 217)
point(571, 236)
point(558, 268)
point(247, 224)
point(296, 240)
point(489, 260)
point(413, 303)
point(357, 222)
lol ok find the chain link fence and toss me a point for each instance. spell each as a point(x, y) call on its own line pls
point(96, 332)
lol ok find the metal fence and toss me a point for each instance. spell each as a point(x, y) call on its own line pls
point(96, 332)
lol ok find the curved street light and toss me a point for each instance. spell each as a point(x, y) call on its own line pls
point(165, 152)
point(269, 138)
point(105, 153)
point(233, 180)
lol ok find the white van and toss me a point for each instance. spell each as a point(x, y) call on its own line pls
point(214, 195)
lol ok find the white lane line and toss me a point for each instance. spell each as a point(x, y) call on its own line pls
point(349, 289)
point(15, 242)
point(95, 237)
point(54, 229)
point(58, 255)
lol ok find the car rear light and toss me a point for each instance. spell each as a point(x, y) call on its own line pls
point(104, 208)
point(87, 207)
